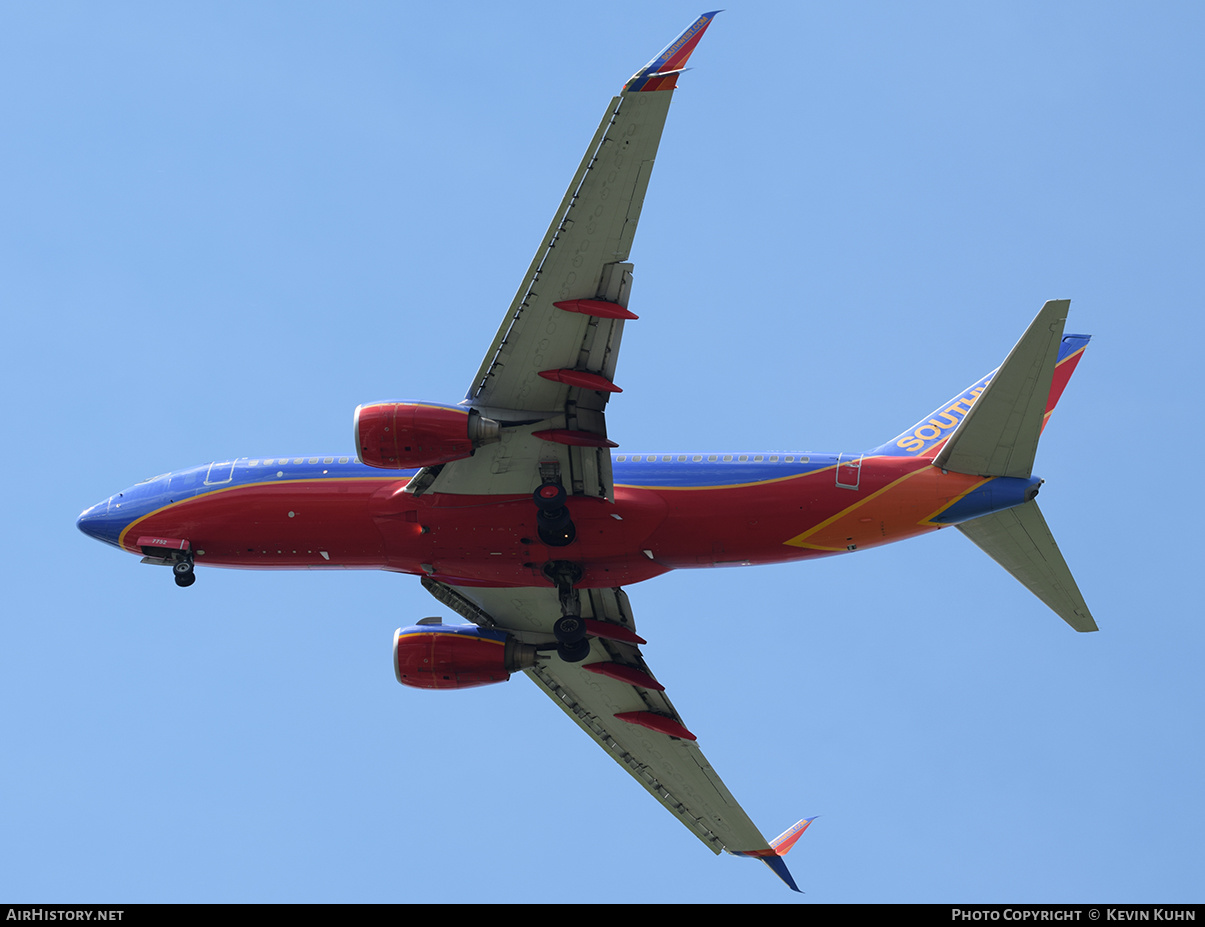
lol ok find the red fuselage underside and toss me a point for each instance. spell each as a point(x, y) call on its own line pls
point(369, 522)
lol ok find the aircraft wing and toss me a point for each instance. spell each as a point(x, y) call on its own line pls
point(545, 380)
point(550, 370)
point(613, 697)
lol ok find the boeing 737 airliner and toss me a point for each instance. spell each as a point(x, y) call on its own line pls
point(519, 514)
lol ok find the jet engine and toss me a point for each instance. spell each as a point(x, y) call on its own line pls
point(404, 435)
point(430, 655)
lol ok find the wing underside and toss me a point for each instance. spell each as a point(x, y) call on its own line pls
point(671, 768)
point(550, 369)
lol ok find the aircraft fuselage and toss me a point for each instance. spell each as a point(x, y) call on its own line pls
point(671, 511)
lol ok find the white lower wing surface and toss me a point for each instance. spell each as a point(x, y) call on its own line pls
point(672, 768)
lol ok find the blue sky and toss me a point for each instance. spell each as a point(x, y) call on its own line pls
point(223, 227)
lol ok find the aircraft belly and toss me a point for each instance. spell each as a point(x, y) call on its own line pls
point(814, 514)
point(494, 541)
point(898, 498)
point(293, 525)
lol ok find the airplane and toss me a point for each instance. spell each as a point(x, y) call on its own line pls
point(520, 515)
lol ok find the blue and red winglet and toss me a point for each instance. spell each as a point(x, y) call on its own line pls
point(662, 72)
point(780, 846)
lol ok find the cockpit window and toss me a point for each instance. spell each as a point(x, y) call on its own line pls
point(151, 479)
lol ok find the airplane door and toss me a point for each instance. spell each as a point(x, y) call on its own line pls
point(849, 470)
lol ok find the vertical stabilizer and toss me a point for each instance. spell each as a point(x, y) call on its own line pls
point(999, 435)
point(926, 437)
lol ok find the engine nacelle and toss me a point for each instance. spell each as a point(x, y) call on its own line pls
point(404, 435)
point(458, 656)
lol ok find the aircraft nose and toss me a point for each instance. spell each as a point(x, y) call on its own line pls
point(96, 522)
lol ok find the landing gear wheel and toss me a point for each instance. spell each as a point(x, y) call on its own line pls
point(184, 573)
point(569, 629)
point(574, 653)
point(549, 497)
point(554, 523)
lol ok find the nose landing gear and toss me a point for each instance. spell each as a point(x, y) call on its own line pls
point(173, 552)
point(184, 573)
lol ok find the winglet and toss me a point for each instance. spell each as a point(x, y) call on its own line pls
point(778, 864)
point(783, 842)
point(779, 847)
point(662, 72)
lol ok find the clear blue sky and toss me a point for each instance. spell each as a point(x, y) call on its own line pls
point(223, 227)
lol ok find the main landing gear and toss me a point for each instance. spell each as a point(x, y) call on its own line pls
point(553, 522)
point(573, 645)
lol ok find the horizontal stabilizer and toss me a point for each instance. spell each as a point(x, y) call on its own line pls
point(999, 435)
point(1019, 540)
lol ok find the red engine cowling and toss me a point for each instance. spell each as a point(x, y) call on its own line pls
point(404, 435)
point(436, 656)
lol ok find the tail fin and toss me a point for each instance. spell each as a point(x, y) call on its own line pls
point(932, 436)
point(999, 435)
point(992, 429)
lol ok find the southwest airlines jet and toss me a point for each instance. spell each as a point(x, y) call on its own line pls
point(518, 515)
